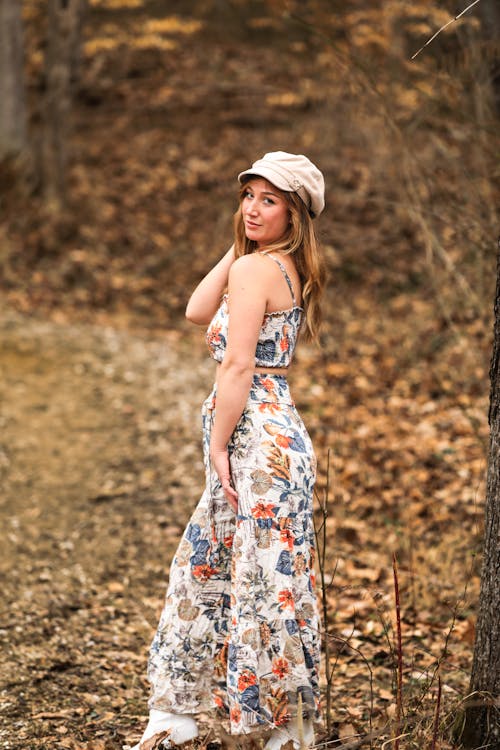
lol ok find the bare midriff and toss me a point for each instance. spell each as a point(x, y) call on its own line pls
point(271, 370)
point(267, 370)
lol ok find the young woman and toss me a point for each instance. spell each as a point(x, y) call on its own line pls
point(240, 628)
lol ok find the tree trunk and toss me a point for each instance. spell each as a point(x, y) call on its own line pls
point(12, 98)
point(490, 21)
point(482, 710)
point(63, 44)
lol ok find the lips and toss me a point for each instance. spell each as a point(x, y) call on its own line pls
point(251, 225)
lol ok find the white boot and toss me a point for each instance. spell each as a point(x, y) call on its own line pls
point(281, 735)
point(181, 728)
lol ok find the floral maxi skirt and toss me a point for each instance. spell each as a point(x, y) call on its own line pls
point(240, 627)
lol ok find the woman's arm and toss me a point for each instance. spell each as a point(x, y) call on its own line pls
point(205, 299)
point(247, 305)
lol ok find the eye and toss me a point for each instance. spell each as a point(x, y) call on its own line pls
point(248, 194)
point(270, 201)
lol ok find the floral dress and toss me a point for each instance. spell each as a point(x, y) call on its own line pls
point(240, 627)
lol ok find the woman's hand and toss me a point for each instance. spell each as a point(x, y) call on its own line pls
point(220, 461)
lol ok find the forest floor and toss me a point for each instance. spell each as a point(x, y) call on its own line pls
point(101, 466)
point(102, 379)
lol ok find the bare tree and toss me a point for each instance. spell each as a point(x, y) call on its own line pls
point(482, 713)
point(12, 97)
point(63, 44)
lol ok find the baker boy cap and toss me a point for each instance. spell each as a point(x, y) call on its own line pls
point(294, 173)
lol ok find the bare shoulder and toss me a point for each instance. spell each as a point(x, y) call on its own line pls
point(251, 267)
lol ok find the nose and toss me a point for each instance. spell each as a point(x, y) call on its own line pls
point(251, 207)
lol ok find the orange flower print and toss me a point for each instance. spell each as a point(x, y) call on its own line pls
point(280, 667)
point(235, 714)
point(286, 600)
point(283, 441)
point(286, 537)
point(268, 406)
point(284, 341)
point(228, 541)
point(246, 679)
point(218, 701)
point(263, 510)
point(281, 717)
point(214, 334)
point(203, 572)
point(267, 384)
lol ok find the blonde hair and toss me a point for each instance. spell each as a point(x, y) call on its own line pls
point(300, 241)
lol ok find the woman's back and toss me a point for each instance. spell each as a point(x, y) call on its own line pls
point(280, 326)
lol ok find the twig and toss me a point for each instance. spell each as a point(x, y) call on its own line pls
point(387, 626)
point(394, 739)
point(355, 744)
point(455, 611)
point(452, 20)
point(321, 540)
point(320, 531)
point(399, 653)
point(436, 716)
point(53, 714)
point(345, 642)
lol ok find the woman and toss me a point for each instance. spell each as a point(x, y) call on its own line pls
point(240, 627)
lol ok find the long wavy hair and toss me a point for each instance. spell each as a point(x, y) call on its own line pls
point(300, 241)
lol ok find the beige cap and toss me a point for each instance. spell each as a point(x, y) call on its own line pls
point(294, 173)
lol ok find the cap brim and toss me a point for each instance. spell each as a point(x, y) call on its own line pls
point(268, 174)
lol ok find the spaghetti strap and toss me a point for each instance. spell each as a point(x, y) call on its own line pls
point(285, 274)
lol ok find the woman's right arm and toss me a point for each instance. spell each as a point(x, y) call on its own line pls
point(206, 298)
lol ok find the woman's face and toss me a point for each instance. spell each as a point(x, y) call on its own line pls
point(265, 212)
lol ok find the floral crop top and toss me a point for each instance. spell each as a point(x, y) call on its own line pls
point(278, 334)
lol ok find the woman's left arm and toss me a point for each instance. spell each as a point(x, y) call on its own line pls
point(247, 305)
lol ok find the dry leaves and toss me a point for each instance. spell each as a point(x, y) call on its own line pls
point(100, 450)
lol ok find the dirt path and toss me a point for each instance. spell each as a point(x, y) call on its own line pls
point(100, 465)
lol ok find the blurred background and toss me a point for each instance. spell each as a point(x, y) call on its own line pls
point(123, 125)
